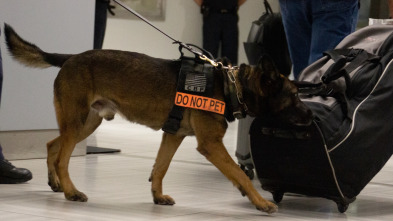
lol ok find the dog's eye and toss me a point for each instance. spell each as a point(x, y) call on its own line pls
point(295, 96)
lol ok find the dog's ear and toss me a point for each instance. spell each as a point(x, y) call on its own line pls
point(268, 69)
point(225, 61)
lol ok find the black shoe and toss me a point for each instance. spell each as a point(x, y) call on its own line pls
point(9, 174)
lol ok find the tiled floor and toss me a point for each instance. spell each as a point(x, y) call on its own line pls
point(118, 187)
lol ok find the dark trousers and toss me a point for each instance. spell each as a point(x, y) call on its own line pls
point(313, 27)
point(1, 88)
point(1, 74)
point(221, 29)
point(100, 23)
point(1, 153)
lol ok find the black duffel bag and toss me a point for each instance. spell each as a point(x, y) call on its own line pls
point(350, 91)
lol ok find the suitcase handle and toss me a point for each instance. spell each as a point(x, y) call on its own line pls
point(267, 7)
point(355, 57)
point(288, 134)
point(308, 88)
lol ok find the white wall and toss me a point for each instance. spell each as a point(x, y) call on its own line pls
point(61, 26)
point(183, 22)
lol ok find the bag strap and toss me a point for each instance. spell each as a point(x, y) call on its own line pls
point(355, 57)
point(267, 7)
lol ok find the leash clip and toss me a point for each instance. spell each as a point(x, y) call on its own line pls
point(212, 62)
point(218, 65)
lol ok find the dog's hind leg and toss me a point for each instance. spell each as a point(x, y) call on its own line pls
point(168, 147)
point(76, 121)
point(93, 121)
point(68, 141)
point(209, 133)
point(53, 149)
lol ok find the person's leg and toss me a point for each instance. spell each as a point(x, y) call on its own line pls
point(211, 33)
point(296, 16)
point(332, 22)
point(8, 173)
point(1, 153)
point(230, 37)
point(100, 23)
point(1, 73)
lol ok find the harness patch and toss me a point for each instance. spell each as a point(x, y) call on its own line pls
point(195, 82)
point(200, 102)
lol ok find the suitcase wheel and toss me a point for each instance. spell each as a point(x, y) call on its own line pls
point(342, 207)
point(277, 196)
point(248, 171)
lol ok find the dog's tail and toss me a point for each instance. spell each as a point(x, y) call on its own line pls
point(29, 54)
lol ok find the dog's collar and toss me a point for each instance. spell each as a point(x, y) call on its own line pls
point(233, 92)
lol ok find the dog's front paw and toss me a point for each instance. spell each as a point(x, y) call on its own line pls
point(164, 200)
point(267, 207)
point(76, 196)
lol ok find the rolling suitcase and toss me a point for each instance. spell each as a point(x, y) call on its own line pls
point(350, 92)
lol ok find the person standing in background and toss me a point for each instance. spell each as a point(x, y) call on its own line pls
point(101, 14)
point(313, 27)
point(220, 27)
point(9, 174)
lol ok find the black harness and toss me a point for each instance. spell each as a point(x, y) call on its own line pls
point(196, 77)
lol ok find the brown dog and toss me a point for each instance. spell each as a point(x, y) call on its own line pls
point(97, 84)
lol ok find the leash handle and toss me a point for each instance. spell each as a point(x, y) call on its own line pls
point(191, 47)
point(205, 56)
